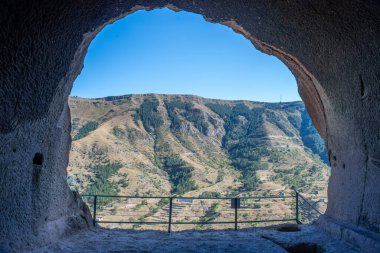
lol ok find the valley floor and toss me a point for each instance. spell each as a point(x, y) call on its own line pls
point(254, 240)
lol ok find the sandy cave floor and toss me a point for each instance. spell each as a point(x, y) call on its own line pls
point(253, 240)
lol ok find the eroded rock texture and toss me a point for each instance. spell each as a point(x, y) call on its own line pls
point(332, 47)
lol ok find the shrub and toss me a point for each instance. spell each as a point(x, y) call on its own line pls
point(86, 129)
point(220, 177)
point(178, 108)
point(102, 185)
point(210, 195)
point(149, 116)
point(277, 121)
point(179, 175)
point(117, 132)
point(250, 181)
point(256, 206)
point(123, 182)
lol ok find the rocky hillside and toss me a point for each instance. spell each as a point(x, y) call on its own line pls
point(187, 145)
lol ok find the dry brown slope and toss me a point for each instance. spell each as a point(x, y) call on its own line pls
point(121, 137)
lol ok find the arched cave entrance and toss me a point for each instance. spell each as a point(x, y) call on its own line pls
point(331, 48)
point(153, 143)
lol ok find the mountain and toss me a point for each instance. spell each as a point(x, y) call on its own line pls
point(188, 145)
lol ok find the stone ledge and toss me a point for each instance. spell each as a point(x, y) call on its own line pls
point(365, 240)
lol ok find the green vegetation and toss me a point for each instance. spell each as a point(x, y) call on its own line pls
point(311, 138)
point(173, 155)
point(86, 129)
point(273, 118)
point(149, 115)
point(275, 156)
point(144, 202)
point(210, 215)
point(250, 181)
point(152, 209)
point(123, 182)
point(177, 109)
point(74, 124)
point(273, 106)
point(256, 206)
point(222, 110)
point(295, 178)
point(210, 195)
point(174, 116)
point(220, 177)
point(179, 175)
point(313, 170)
point(163, 202)
point(295, 120)
point(292, 106)
point(117, 132)
point(102, 185)
point(243, 126)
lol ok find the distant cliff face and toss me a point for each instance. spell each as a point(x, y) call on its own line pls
point(179, 144)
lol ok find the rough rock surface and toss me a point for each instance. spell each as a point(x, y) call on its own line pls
point(258, 240)
point(332, 47)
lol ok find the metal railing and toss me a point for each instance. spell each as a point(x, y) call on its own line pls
point(233, 208)
point(309, 213)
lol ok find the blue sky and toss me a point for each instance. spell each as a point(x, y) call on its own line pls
point(168, 52)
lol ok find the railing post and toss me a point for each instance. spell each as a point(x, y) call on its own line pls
point(170, 214)
point(94, 219)
point(297, 209)
point(236, 214)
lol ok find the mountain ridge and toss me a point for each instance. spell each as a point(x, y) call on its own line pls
point(189, 145)
point(120, 97)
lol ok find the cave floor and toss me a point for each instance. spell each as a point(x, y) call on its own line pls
point(253, 240)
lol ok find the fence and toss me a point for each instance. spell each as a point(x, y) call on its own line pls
point(200, 211)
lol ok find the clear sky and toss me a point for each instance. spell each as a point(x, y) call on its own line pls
point(169, 52)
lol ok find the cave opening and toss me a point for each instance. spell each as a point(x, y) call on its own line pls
point(330, 47)
point(162, 108)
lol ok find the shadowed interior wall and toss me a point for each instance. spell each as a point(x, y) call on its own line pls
point(332, 47)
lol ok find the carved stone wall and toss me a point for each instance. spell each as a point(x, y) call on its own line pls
point(332, 47)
